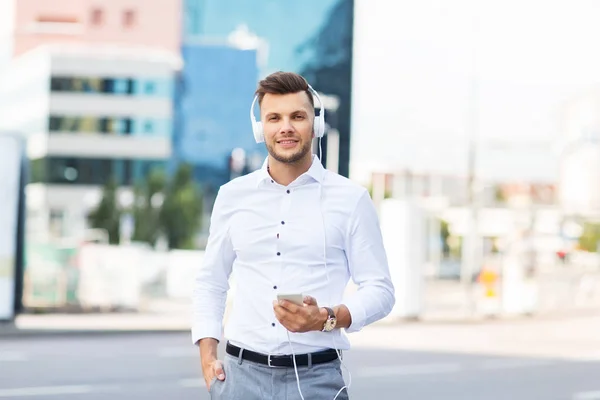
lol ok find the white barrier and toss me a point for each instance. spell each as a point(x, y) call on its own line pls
point(110, 276)
point(182, 267)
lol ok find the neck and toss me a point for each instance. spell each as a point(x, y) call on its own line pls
point(286, 173)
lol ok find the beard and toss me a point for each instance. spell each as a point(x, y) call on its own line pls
point(292, 157)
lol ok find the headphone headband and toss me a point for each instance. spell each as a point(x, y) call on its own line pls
point(318, 125)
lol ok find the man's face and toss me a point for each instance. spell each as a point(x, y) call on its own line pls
point(288, 126)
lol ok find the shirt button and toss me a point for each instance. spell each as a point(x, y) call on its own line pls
point(272, 181)
point(288, 191)
point(278, 253)
point(273, 324)
point(275, 287)
point(282, 222)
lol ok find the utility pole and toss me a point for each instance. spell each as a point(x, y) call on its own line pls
point(471, 248)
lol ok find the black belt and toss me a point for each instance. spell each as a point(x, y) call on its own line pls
point(319, 357)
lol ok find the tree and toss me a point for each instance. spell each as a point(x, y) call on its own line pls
point(590, 238)
point(181, 213)
point(146, 209)
point(108, 213)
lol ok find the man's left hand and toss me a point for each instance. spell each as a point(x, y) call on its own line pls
point(304, 318)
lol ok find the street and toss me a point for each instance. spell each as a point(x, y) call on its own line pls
point(166, 366)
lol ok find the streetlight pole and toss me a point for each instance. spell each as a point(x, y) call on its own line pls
point(471, 248)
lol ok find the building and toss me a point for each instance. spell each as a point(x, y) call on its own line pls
point(88, 113)
point(30, 23)
point(214, 94)
point(314, 40)
point(579, 146)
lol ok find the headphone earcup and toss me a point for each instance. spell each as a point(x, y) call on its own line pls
point(319, 126)
point(258, 132)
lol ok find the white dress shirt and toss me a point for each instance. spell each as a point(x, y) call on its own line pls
point(271, 237)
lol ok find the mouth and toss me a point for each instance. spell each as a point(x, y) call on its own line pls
point(287, 143)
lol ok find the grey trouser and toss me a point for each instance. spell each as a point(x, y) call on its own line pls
point(246, 380)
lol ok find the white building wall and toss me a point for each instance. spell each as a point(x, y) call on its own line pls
point(579, 189)
point(25, 94)
point(96, 146)
point(579, 145)
point(107, 105)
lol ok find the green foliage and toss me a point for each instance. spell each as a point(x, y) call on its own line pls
point(590, 237)
point(161, 207)
point(181, 213)
point(146, 208)
point(108, 213)
point(387, 194)
point(444, 235)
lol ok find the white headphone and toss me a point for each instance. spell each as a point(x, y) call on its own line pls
point(318, 125)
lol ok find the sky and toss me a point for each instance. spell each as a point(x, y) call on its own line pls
point(431, 74)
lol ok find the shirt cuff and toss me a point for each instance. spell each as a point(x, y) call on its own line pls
point(357, 313)
point(207, 330)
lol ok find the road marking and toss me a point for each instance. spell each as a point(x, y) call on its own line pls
point(12, 356)
point(587, 395)
point(193, 382)
point(512, 364)
point(410, 369)
point(176, 352)
point(45, 391)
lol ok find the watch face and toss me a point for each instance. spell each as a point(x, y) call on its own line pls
point(330, 324)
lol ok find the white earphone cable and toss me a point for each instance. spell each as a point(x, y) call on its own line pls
point(335, 347)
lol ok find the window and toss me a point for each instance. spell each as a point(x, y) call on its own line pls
point(149, 87)
point(60, 19)
point(84, 124)
point(97, 17)
point(95, 171)
point(128, 18)
point(124, 86)
point(148, 127)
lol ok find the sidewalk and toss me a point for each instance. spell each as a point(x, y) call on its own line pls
point(163, 317)
point(567, 337)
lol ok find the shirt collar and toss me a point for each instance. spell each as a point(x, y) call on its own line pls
point(316, 171)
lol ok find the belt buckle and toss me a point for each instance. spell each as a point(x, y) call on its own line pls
point(269, 361)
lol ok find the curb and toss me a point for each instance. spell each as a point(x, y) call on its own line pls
point(13, 332)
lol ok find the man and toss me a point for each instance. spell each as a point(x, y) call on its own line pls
point(290, 227)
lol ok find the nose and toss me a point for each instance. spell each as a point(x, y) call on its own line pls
point(286, 125)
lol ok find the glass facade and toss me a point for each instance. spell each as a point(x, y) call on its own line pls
point(92, 171)
point(110, 125)
point(147, 87)
point(212, 111)
point(314, 40)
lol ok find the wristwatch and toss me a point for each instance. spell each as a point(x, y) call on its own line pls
point(330, 322)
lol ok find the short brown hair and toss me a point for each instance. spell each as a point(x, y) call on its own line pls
point(283, 83)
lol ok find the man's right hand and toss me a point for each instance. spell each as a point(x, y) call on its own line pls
point(211, 366)
point(211, 370)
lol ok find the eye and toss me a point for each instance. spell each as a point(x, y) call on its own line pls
point(273, 118)
point(299, 117)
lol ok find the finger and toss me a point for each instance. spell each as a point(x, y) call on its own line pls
point(310, 301)
point(279, 312)
point(289, 306)
point(218, 369)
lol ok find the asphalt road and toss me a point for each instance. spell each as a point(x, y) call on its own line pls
point(166, 366)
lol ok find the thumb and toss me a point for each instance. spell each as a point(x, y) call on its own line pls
point(218, 368)
point(310, 301)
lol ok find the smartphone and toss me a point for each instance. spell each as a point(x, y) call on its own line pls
point(296, 298)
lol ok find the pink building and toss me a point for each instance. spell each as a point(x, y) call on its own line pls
point(156, 23)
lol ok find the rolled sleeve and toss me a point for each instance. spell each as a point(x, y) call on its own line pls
point(212, 280)
point(369, 268)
